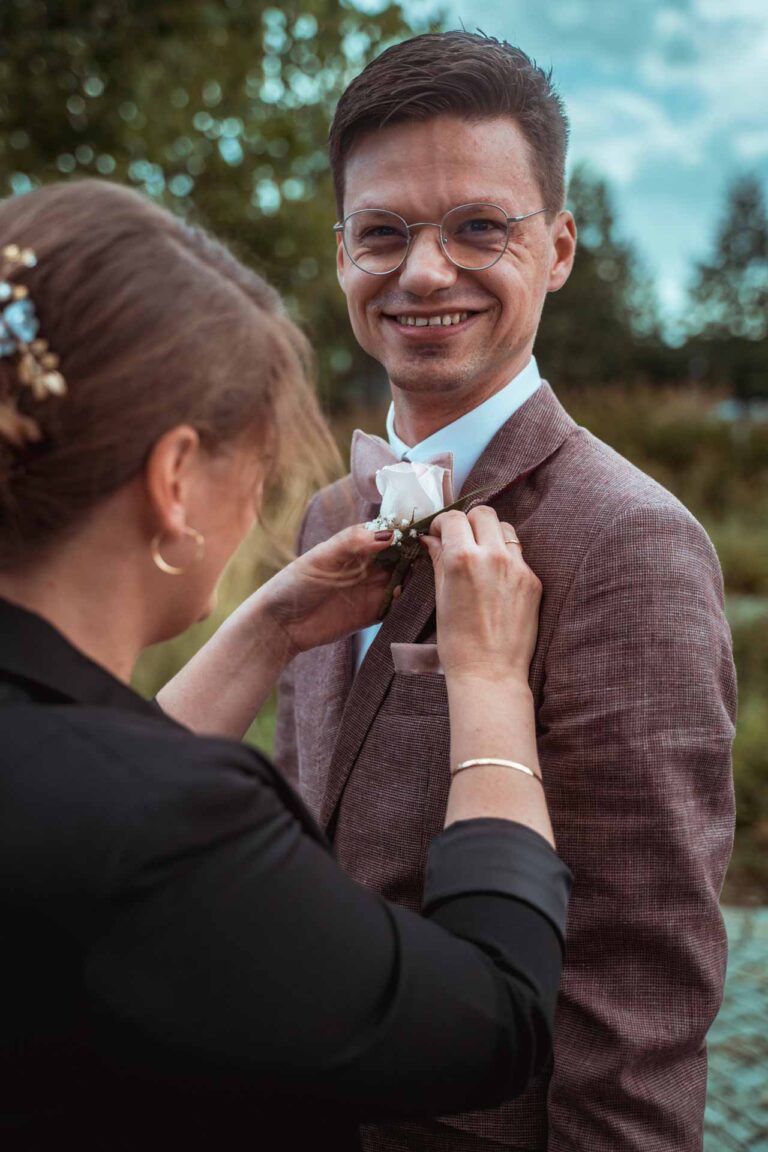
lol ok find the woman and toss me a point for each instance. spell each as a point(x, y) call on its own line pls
point(186, 966)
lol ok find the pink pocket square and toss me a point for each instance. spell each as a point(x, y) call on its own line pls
point(416, 659)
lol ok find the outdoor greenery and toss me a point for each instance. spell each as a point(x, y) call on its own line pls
point(220, 109)
point(730, 295)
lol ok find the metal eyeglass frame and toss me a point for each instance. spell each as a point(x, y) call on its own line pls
point(339, 227)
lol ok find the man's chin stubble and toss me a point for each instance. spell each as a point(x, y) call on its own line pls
point(430, 382)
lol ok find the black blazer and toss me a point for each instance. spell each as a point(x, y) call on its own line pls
point(185, 966)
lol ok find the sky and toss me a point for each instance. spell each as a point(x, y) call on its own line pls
point(668, 99)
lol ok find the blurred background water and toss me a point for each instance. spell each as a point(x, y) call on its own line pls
point(657, 344)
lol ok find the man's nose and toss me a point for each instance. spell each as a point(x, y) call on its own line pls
point(426, 268)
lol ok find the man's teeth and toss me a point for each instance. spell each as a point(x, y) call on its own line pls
point(433, 321)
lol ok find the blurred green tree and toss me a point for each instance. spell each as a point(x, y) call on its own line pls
point(729, 295)
point(603, 325)
point(218, 109)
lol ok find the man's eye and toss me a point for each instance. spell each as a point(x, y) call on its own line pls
point(480, 225)
point(381, 230)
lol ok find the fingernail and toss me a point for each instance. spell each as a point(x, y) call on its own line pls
point(385, 534)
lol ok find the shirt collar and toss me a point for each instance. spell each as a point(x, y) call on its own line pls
point(37, 655)
point(469, 436)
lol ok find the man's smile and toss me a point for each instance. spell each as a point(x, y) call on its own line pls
point(446, 319)
point(429, 326)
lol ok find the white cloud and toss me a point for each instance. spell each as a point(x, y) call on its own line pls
point(669, 22)
point(623, 132)
point(752, 144)
point(749, 11)
point(726, 61)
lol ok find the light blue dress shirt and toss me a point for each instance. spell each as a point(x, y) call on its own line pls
point(467, 438)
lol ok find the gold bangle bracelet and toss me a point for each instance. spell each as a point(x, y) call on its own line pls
point(497, 764)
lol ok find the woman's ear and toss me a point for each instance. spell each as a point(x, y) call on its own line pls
point(168, 477)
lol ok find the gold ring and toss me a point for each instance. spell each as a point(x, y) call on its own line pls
point(515, 541)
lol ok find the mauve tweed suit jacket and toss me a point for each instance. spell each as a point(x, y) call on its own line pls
point(634, 687)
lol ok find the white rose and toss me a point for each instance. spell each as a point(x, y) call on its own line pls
point(410, 491)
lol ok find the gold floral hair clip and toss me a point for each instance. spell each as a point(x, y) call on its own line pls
point(37, 367)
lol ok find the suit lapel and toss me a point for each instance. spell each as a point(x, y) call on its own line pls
point(338, 665)
point(403, 623)
point(326, 675)
point(528, 438)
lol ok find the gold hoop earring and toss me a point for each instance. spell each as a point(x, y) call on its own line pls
point(170, 569)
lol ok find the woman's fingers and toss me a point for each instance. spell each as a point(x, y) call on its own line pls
point(480, 526)
point(361, 541)
point(512, 543)
point(453, 530)
point(478, 532)
point(356, 544)
point(431, 545)
point(485, 526)
point(487, 595)
point(346, 560)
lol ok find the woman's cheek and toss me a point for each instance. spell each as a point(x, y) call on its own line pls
point(210, 607)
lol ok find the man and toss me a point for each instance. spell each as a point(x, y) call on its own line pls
point(633, 678)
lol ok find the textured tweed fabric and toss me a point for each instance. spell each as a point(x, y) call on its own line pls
point(635, 696)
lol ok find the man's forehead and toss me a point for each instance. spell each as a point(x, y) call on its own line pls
point(445, 160)
point(443, 133)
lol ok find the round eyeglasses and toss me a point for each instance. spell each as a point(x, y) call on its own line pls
point(472, 236)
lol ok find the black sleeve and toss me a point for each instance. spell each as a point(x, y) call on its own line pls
point(257, 960)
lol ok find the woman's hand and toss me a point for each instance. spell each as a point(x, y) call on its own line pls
point(487, 596)
point(332, 590)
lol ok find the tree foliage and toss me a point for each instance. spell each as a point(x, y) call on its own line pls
point(729, 294)
point(602, 325)
point(730, 289)
point(218, 108)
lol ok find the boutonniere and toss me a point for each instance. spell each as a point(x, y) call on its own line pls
point(412, 495)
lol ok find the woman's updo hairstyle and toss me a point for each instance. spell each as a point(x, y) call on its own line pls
point(155, 324)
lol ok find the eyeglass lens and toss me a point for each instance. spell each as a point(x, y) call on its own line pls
point(473, 236)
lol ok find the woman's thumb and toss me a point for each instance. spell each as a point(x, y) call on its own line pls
point(431, 545)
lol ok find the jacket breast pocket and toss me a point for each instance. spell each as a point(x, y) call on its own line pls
point(416, 694)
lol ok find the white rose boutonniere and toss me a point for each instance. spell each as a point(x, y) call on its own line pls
point(412, 494)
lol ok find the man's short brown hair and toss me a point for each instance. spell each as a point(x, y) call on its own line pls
point(456, 74)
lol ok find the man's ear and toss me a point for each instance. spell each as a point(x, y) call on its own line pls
point(168, 477)
point(563, 251)
point(340, 262)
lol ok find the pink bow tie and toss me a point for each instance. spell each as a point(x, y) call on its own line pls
point(370, 453)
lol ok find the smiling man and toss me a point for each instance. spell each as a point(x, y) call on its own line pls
point(449, 340)
point(448, 155)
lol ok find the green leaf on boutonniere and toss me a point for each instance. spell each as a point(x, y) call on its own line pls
point(407, 550)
